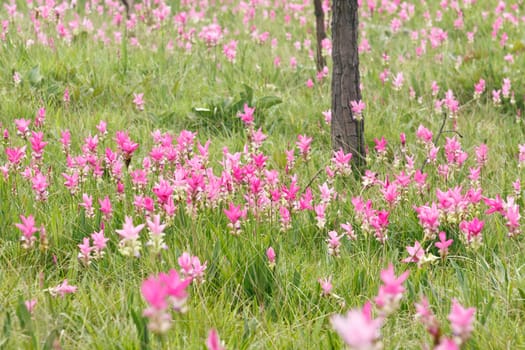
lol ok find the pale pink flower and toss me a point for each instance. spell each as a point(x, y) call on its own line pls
point(62, 289)
point(213, 342)
point(138, 100)
point(391, 291)
point(129, 244)
point(415, 253)
point(326, 286)
point(358, 329)
point(443, 244)
point(303, 144)
point(461, 320)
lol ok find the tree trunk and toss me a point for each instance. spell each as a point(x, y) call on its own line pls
point(347, 133)
point(321, 34)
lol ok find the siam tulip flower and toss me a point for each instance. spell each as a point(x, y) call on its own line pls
point(40, 117)
point(428, 218)
point(349, 231)
point(285, 218)
point(234, 215)
point(163, 293)
point(28, 230)
point(99, 243)
point(397, 81)
point(326, 286)
point(138, 100)
point(15, 155)
point(327, 116)
point(87, 204)
point(357, 109)
point(320, 215)
point(85, 251)
point(125, 145)
point(447, 344)
point(191, 267)
point(380, 146)
point(424, 135)
point(129, 244)
point(247, 116)
point(37, 144)
point(461, 320)
point(425, 315)
point(334, 242)
point(358, 330)
point(22, 127)
point(105, 208)
point(512, 214)
point(39, 185)
point(270, 254)
point(391, 291)
point(472, 231)
point(479, 88)
point(309, 83)
point(62, 289)
point(213, 342)
point(30, 305)
point(156, 231)
point(303, 144)
point(72, 181)
point(390, 193)
point(443, 244)
point(415, 254)
point(65, 140)
point(341, 162)
point(66, 97)
point(230, 50)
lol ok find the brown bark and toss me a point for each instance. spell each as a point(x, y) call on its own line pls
point(320, 33)
point(347, 133)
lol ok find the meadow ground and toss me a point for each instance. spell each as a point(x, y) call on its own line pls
point(113, 128)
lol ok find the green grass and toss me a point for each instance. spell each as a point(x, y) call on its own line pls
point(251, 305)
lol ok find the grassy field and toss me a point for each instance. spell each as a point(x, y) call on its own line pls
point(157, 109)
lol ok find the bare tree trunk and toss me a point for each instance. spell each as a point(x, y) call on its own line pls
point(347, 133)
point(321, 34)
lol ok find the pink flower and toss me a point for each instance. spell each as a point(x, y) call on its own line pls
point(391, 291)
point(213, 342)
point(247, 115)
point(426, 316)
point(326, 286)
point(461, 320)
point(303, 144)
point(270, 254)
point(105, 207)
point(234, 215)
point(424, 134)
point(28, 230)
point(447, 344)
point(85, 251)
point(357, 109)
point(30, 305)
point(129, 244)
point(415, 253)
point(358, 329)
point(62, 289)
point(472, 231)
point(334, 242)
point(443, 244)
point(15, 155)
point(138, 100)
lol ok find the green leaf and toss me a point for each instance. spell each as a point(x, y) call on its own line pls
point(486, 311)
point(142, 329)
point(50, 340)
point(34, 76)
point(267, 102)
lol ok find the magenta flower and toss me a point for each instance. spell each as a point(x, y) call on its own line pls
point(15, 155)
point(247, 115)
point(235, 214)
point(28, 230)
point(357, 109)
